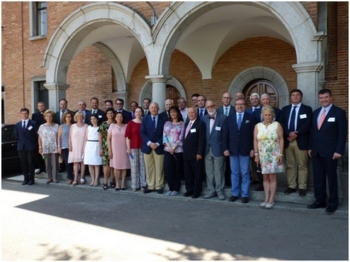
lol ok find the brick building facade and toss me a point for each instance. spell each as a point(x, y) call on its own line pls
point(113, 49)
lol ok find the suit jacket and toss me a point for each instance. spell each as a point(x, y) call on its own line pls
point(194, 143)
point(149, 134)
point(165, 115)
point(100, 114)
point(257, 114)
point(220, 110)
point(331, 137)
point(304, 120)
point(239, 142)
point(214, 139)
point(57, 118)
point(205, 112)
point(126, 115)
point(250, 110)
point(28, 137)
point(39, 118)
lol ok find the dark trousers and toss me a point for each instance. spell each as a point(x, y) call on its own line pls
point(325, 168)
point(193, 175)
point(227, 171)
point(69, 166)
point(28, 160)
point(173, 167)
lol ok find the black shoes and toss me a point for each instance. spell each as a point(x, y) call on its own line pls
point(316, 204)
point(160, 191)
point(25, 182)
point(30, 183)
point(290, 190)
point(245, 200)
point(302, 192)
point(233, 198)
point(330, 209)
point(195, 195)
point(187, 194)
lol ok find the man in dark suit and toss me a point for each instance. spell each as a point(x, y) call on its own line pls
point(201, 111)
point(327, 145)
point(214, 157)
point(63, 103)
point(133, 106)
point(168, 103)
point(226, 108)
point(95, 110)
point(296, 122)
point(82, 109)
point(38, 117)
point(255, 103)
point(238, 144)
point(26, 131)
point(145, 105)
point(153, 149)
point(265, 100)
point(181, 104)
point(119, 103)
point(193, 153)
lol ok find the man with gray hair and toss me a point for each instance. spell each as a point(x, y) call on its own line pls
point(266, 100)
point(168, 103)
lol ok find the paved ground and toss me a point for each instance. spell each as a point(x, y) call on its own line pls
point(59, 222)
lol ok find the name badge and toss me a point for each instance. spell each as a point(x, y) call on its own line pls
point(303, 116)
point(331, 119)
point(193, 130)
point(247, 121)
point(218, 128)
point(99, 116)
point(30, 128)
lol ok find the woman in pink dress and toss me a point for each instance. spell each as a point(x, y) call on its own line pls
point(77, 134)
point(119, 159)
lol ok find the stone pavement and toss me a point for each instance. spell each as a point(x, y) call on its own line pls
point(282, 201)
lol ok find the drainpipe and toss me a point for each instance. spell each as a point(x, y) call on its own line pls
point(154, 16)
point(23, 57)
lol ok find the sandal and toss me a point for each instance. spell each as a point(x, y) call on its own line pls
point(117, 189)
point(112, 185)
point(105, 186)
point(74, 183)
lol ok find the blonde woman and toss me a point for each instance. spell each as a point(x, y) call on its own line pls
point(77, 134)
point(268, 148)
point(47, 141)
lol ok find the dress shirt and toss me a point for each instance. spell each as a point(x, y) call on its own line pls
point(324, 108)
point(296, 115)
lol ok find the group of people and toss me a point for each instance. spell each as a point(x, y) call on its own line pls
point(224, 145)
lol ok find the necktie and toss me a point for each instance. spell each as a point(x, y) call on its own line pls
point(239, 121)
point(154, 122)
point(292, 120)
point(24, 124)
point(322, 117)
point(226, 111)
point(188, 128)
point(211, 124)
point(201, 114)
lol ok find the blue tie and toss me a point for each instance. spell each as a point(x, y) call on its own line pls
point(292, 120)
point(239, 121)
point(154, 122)
point(226, 113)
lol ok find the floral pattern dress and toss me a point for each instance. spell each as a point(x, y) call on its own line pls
point(269, 149)
point(103, 130)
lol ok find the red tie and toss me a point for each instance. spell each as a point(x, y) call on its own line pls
point(322, 117)
point(188, 128)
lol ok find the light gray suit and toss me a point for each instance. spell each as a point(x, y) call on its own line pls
point(214, 158)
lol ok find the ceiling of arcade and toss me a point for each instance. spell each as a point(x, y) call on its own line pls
point(205, 40)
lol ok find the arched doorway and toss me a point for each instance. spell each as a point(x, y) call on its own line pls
point(172, 93)
point(261, 86)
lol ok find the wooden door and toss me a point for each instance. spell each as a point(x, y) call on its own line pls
point(172, 93)
point(261, 86)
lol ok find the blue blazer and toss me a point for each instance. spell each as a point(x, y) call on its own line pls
point(331, 137)
point(304, 121)
point(257, 114)
point(28, 137)
point(149, 134)
point(239, 142)
point(215, 138)
point(38, 118)
point(100, 114)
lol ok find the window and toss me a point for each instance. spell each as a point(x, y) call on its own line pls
point(40, 92)
point(38, 19)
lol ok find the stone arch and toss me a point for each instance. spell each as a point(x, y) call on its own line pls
point(180, 14)
point(79, 24)
point(243, 78)
point(146, 90)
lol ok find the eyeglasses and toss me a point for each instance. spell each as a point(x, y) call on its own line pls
point(209, 107)
point(226, 97)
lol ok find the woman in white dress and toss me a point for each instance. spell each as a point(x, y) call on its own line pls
point(92, 150)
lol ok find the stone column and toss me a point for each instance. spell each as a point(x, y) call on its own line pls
point(123, 95)
point(56, 92)
point(308, 82)
point(158, 89)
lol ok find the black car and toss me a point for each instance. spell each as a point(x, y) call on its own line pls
point(9, 155)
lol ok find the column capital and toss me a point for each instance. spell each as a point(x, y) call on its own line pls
point(56, 86)
point(307, 67)
point(158, 78)
point(122, 94)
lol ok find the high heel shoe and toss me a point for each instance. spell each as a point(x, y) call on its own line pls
point(268, 205)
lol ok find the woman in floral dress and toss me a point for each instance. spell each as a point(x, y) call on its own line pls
point(268, 147)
